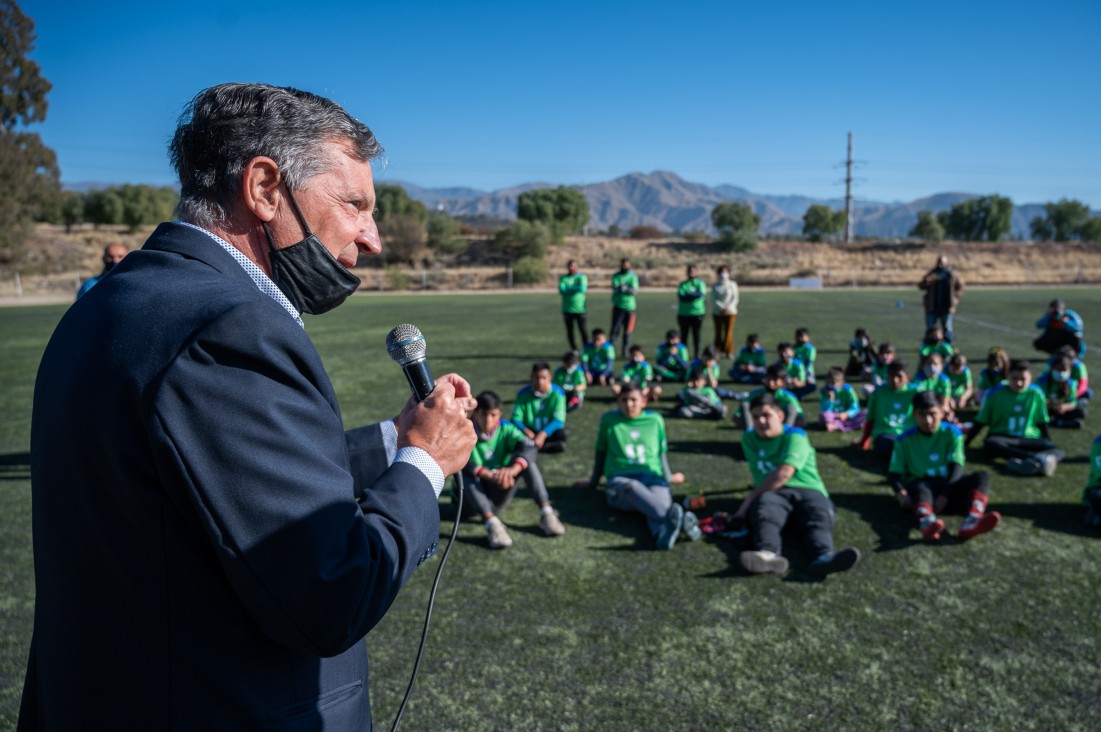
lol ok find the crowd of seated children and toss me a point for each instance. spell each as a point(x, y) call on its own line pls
point(839, 404)
point(926, 474)
point(671, 359)
point(699, 400)
point(749, 364)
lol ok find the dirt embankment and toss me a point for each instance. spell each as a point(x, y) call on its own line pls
point(57, 262)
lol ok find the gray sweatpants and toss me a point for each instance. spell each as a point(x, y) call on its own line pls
point(491, 498)
point(645, 493)
point(811, 511)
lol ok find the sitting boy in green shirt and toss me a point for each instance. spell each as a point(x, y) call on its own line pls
point(775, 378)
point(698, 400)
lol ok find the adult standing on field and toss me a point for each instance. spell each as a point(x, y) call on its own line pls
point(943, 289)
point(724, 311)
point(624, 303)
point(572, 287)
point(210, 545)
point(691, 309)
point(112, 255)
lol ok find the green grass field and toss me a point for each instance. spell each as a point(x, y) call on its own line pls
point(596, 631)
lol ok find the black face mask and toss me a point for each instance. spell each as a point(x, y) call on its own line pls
point(308, 274)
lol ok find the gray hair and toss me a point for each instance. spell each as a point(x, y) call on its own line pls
point(225, 126)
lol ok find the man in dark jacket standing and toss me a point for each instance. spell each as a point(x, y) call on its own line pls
point(942, 294)
point(210, 545)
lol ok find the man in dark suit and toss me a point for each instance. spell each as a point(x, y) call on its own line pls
point(210, 545)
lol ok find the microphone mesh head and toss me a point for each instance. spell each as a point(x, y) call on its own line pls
point(405, 343)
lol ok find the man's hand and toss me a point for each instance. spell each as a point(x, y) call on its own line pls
point(439, 425)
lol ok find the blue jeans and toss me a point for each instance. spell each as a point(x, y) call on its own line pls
point(945, 322)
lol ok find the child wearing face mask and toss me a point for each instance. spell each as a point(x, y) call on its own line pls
point(997, 366)
point(1061, 391)
point(963, 386)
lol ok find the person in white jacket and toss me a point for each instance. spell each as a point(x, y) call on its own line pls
point(724, 311)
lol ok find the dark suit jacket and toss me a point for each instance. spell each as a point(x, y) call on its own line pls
point(210, 545)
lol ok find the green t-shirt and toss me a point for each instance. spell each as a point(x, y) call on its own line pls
point(546, 413)
point(843, 401)
point(631, 445)
point(961, 382)
point(1017, 414)
point(496, 450)
point(917, 455)
point(790, 448)
point(944, 348)
point(879, 374)
point(746, 357)
point(598, 359)
point(569, 379)
point(891, 410)
point(685, 395)
point(713, 371)
point(639, 372)
point(807, 353)
point(989, 379)
point(572, 288)
point(624, 288)
point(796, 370)
point(692, 297)
point(941, 385)
point(669, 356)
point(784, 398)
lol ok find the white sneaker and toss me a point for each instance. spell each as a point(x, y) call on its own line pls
point(497, 534)
point(763, 561)
point(1049, 464)
point(550, 523)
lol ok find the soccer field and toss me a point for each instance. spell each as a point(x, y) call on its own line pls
point(596, 631)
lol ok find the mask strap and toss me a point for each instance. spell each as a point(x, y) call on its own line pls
point(297, 210)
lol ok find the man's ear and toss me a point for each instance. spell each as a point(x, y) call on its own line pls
point(261, 183)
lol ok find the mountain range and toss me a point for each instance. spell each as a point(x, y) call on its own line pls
point(670, 203)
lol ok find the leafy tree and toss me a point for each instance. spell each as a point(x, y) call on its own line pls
point(392, 200)
point(525, 239)
point(71, 211)
point(1063, 221)
point(986, 218)
point(103, 207)
point(645, 231)
point(29, 176)
point(563, 210)
point(1091, 230)
point(737, 226)
point(821, 221)
point(928, 228)
point(530, 271)
point(445, 235)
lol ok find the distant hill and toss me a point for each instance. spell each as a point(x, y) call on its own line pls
point(667, 201)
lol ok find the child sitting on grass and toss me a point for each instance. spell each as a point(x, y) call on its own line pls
point(926, 474)
point(540, 411)
point(570, 377)
point(501, 456)
point(885, 356)
point(1078, 372)
point(598, 360)
point(839, 403)
point(796, 371)
point(708, 363)
point(671, 359)
point(697, 400)
point(632, 455)
point(997, 366)
point(775, 378)
point(638, 372)
point(1061, 390)
point(861, 355)
point(1016, 413)
point(749, 364)
point(807, 353)
point(787, 489)
point(963, 386)
point(889, 412)
point(934, 343)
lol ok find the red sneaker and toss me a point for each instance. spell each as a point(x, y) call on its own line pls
point(972, 528)
point(933, 531)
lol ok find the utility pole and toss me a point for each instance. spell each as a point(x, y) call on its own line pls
point(849, 193)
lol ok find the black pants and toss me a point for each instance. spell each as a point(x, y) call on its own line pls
point(1052, 340)
point(622, 319)
point(556, 441)
point(1020, 447)
point(926, 490)
point(690, 325)
point(580, 320)
point(811, 511)
point(883, 446)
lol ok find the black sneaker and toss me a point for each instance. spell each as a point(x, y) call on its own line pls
point(841, 560)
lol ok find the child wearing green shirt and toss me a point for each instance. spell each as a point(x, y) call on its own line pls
point(775, 378)
point(598, 360)
point(571, 378)
point(749, 364)
point(501, 456)
point(1061, 391)
point(839, 404)
point(889, 412)
point(926, 474)
point(806, 352)
point(540, 411)
point(697, 400)
point(787, 488)
point(796, 370)
point(1016, 413)
point(632, 455)
point(671, 358)
point(963, 386)
point(638, 372)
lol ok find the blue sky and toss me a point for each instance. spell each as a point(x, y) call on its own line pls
point(978, 97)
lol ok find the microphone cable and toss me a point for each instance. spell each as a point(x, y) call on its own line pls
point(432, 601)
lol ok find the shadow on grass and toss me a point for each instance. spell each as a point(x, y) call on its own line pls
point(15, 466)
point(706, 447)
point(856, 458)
point(890, 523)
point(1065, 518)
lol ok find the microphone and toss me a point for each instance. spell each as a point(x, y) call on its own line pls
point(406, 345)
